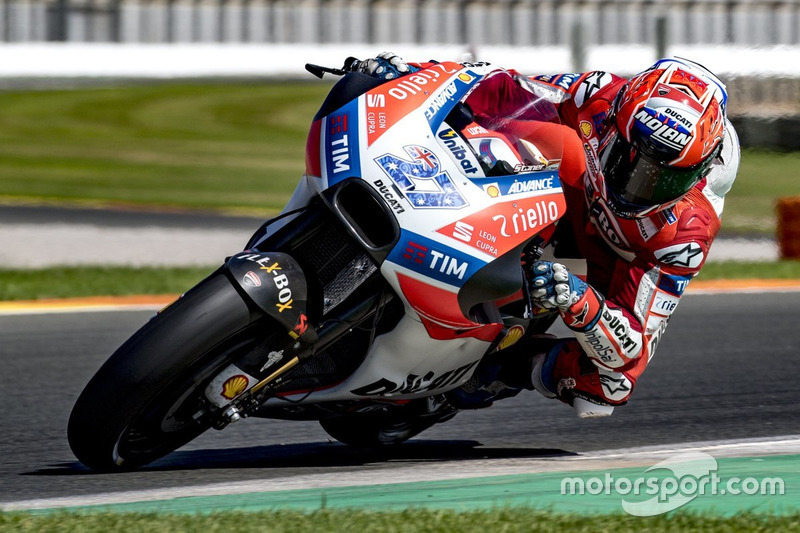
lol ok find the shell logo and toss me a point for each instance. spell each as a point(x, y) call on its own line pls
point(514, 334)
point(586, 128)
point(466, 78)
point(493, 191)
point(234, 386)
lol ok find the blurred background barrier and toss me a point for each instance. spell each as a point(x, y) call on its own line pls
point(475, 22)
point(789, 227)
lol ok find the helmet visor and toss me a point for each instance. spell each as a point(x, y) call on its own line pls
point(637, 182)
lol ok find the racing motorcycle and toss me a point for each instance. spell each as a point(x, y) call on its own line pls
point(373, 300)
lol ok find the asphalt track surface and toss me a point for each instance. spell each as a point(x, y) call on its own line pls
point(726, 369)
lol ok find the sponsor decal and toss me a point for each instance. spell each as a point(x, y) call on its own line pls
point(433, 259)
point(272, 358)
point(540, 184)
point(590, 85)
point(663, 129)
point(463, 231)
point(664, 303)
point(234, 386)
point(518, 168)
point(504, 225)
point(421, 179)
point(387, 104)
point(586, 128)
point(598, 347)
point(492, 189)
point(673, 284)
point(280, 280)
point(341, 143)
point(656, 326)
point(618, 325)
point(598, 120)
point(462, 154)
point(595, 174)
point(525, 220)
point(565, 81)
point(441, 104)
point(647, 228)
point(251, 279)
point(415, 84)
point(606, 223)
point(340, 154)
point(513, 335)
point(301, 327)
point(414, 383)
point(477, 130)
point(535, 182)
point(444, 96)
point(388, 195)
point(688, 255)
point(485, 149)
point(678, 116)
point(615, 386)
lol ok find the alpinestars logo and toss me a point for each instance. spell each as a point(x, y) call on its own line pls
point(617, 385)
point(590, 85)
point(689, 255)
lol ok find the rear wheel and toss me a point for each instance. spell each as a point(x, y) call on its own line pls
point(147, 399)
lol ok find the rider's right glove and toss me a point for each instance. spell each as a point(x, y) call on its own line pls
point(386, 66)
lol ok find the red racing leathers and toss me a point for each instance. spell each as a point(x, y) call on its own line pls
point(638, 268)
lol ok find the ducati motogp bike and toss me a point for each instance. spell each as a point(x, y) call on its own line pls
point(373, 300)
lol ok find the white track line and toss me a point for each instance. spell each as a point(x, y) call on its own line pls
point(447, 470)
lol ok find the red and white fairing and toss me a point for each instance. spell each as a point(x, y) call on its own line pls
point(455, 221)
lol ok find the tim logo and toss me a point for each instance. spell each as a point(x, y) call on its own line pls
point(415, 252)
point(340, 146)
point(421, 179)
point(435, 260)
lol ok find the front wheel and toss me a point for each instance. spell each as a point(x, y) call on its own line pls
point(147, 399)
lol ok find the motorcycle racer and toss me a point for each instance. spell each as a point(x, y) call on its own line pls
point(647, 162)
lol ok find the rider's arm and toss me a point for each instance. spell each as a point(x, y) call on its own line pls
point(577, 97)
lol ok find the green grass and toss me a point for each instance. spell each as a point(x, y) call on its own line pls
point(226, 146)
point(750, 269)
point(66, 282)
point(215, 145)
point(499, 521)
point(763, 177)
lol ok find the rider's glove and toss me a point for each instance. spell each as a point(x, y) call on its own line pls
point(552, 286)
point(387, 66)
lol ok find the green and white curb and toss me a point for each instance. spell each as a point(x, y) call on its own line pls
point(549, 483)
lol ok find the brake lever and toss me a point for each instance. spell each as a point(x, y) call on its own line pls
point(350, 64)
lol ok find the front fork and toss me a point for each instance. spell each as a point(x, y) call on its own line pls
point(275, 283)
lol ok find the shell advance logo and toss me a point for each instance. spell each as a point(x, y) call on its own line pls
point(441, 104)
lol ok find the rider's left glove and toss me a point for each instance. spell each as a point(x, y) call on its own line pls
point(386, 66)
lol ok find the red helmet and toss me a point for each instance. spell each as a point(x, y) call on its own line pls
point(669, 123)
